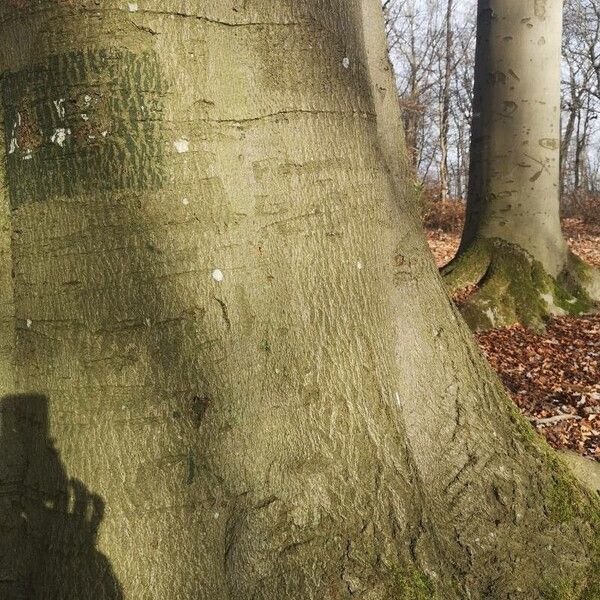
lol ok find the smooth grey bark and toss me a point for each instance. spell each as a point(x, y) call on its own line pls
point(516, 135)
point(237, 373)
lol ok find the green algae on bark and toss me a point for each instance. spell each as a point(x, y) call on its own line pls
point(83, 121)
point(568, 504)
point(414, 585)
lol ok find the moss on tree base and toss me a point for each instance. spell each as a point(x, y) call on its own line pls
point(568, 503)
point(513, 287)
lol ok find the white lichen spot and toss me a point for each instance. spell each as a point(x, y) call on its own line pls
point(359, 265)
point(85, 117)
point(29, 323)
point(87, 99)
point(216, 515)
point(346, 62)
point(104, 134)
point(182, 145)
point(28, 155)
point(12, 145)
point(548, 298)
point(217, 275)
point(491, 316)
point(132, 7)
point(59, 136)
point(60, 107)
point(185, 201)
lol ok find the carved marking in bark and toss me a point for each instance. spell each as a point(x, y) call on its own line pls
point(497, 77)
point(510, 108)
point(540, 8)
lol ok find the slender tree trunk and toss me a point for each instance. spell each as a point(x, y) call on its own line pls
point(582, 149)
point(445, 104)
point(238, 373)
point(566, 141)
point(412, 111)
point(461, 164)
point(512, 239)
point(579, 145)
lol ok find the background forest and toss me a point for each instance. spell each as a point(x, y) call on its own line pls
point(553, 377)
point(432, 45)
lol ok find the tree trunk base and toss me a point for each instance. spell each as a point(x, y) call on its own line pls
point(513, 287)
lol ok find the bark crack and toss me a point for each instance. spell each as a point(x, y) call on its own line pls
point(292, 112)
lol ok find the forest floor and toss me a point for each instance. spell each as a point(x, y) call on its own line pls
point(554, 378)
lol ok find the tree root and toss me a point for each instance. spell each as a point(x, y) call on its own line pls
point(513, 287)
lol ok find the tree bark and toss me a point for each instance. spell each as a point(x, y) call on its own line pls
point(237, 373)
point(512, 242)
point(385, 95)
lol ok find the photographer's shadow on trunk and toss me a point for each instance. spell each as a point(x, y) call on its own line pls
point(48, 522)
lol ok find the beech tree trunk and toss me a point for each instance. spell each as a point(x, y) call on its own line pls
point(237, 374)
point(512, 242)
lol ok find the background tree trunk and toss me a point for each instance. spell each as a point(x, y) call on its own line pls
point(512, 238)
point(230, 328)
